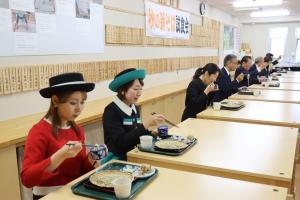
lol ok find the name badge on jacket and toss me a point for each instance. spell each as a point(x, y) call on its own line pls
point(129, 121)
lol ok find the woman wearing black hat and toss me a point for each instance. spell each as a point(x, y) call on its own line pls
point(54, 154)
point(121, 119)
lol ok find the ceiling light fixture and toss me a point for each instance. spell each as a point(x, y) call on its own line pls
point(270, 13)
point(255, 3)
point(248, 9)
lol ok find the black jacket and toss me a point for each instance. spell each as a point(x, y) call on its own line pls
point(268, 70)
point(195, 100)
point(275, 62)
point(226, 86)
point(121, 131)
point(255, 74)
point(244, 82)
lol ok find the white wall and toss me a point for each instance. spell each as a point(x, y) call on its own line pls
point(30, 102)
point(257, 35)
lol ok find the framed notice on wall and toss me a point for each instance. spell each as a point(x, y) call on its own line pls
point(166, 22)
point(228, 38)
point(40, 27)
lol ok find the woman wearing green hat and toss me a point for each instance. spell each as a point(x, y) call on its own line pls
point(121, 119)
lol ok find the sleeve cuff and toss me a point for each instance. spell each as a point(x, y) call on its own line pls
point(44, 164)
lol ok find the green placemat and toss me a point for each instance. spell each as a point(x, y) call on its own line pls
point(246, 92)
point(137, 185)
point(168, 153)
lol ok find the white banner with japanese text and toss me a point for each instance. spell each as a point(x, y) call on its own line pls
point(166, 22)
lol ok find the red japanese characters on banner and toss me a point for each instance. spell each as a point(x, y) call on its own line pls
point(166, 22)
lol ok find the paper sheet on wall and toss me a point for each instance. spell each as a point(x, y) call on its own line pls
point(66, 7)
point(19, 79)
point(42, 27)
point(5, 20)
point(13, 79)
point(25, 43)
point(6, 86)
point(25, 79)
point(25, 5)
point(46, 24)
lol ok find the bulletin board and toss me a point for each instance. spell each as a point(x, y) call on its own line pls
point(42, 27)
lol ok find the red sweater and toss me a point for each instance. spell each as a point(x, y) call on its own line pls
point(39, 147)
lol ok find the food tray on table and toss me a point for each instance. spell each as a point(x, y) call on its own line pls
point(278, 74)
point(172, 145)
point(276, 84)
point(232, 105)
point(85, 187)
point(246, 92)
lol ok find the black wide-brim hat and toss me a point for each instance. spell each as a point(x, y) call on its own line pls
point(67, 82)
point(126, 76)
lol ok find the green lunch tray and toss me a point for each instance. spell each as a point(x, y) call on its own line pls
point(137, 185)
point(167, 152)
point(233, 109)
point(246, 92)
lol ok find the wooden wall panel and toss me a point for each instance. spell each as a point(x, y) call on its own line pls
point(15, 79)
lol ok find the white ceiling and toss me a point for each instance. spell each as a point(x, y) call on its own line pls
point(244, 16)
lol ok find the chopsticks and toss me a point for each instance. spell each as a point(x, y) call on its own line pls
point(84, 145)
point(166, 120)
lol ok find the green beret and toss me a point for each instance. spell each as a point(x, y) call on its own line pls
point(125, 77)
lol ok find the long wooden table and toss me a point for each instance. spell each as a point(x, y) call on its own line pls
point(259, 112)
point(256, 153)
point(271, 96)
point(178, 185)
point(283, 86)
point(290, 74)
point(289, 79)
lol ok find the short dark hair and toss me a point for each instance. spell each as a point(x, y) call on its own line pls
point(229, 58)
point(245, 59)
point(211, 68)
point(259, 59)
point(124, 88)
point(269, 55)
point(267, 59)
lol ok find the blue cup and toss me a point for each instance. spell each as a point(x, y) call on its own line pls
point(97, 152)
point(162, 131)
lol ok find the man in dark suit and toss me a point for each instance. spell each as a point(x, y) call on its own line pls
point(272, 62)
point(226, 86)
point(271, 56)
point(257, 70)
point(246, 63)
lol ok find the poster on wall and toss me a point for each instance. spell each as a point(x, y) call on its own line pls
point(228, 38)
point(43, 27)
point(166, 22)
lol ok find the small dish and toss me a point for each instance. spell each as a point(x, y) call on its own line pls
point(138, 174)
point(130, 168)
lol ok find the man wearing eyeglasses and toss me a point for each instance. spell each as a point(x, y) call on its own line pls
point(227, 86)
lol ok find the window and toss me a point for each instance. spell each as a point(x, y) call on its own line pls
point(297, 56)
point(278, 40)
